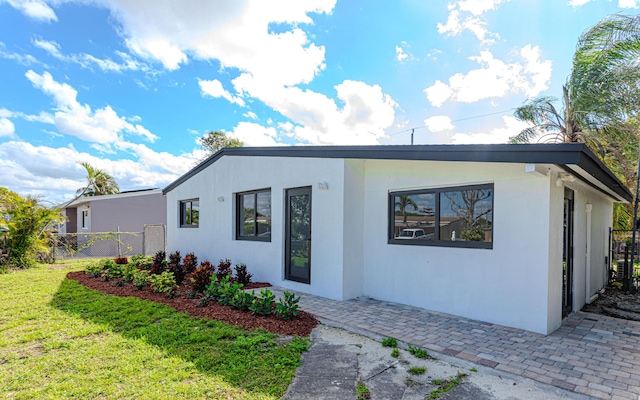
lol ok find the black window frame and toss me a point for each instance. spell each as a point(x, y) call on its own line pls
point(438, 242)
point(239, 216)
point(182, 213)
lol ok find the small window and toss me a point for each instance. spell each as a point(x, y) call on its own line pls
point(453, 217)
point(253, 215)
point(189, 213)
point(85, 219)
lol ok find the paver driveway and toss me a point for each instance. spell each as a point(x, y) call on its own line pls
point(590, 354)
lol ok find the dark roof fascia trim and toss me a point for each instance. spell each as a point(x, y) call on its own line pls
point(559, 154)
point(596, 168)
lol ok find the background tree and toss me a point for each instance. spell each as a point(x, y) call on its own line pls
point(403, 202)
point(29, 225)
point(600, 103)
point(98, 182)
point(215, 141)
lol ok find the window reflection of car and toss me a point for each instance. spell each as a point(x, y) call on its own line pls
point(412, 234)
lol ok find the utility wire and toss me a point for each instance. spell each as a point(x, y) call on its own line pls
point(455, 120)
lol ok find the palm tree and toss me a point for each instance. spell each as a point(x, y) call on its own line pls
point(600, 95)
point(600, 103)
point(98, 182)
point(403, 202)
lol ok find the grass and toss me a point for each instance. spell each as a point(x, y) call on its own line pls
point(446, 386)
point(59, 339)
point(389, 342)
point(362, 392)
point(417, 370)
point(419, 352)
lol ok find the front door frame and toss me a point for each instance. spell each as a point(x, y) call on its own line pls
point(299, 191)
point(567, 252)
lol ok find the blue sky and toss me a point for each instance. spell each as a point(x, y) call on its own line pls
point(130, 85)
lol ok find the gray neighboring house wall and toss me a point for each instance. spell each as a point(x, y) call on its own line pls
point(126, 211)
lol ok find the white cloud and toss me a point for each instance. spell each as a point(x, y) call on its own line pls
point(24, 59)
point(400, 54)
point(578, 3)
point(6, 127)
point(235, 33)
point(468, 15)
point(439, 123)
point(479, 7)
point(88, 61)
point(628, 3)
point(366, 112)
point(30, 169)
point(495, 78)
point(100, 126)
point(253, 134)
point(250, 114)
point(501, 134)
point(214, 88)
point(34, 9)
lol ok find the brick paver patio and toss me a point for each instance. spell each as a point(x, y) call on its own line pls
point(590, 354)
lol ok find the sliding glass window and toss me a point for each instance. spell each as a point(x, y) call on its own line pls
point(451, 217)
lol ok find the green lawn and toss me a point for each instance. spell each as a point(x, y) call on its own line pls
point(61, 340)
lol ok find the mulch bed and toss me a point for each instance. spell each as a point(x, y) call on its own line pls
point(302, 325)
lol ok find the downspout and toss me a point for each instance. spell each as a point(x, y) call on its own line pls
point(587, 294)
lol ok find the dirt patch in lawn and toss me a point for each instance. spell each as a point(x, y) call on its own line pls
point(614, 302)
point(302, 325)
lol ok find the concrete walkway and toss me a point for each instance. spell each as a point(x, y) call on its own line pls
point(590, 354)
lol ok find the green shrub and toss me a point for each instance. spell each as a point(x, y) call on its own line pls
point(94, 269)
point(140, 278)
point(216, 289)
point(263, 304)
point(162, 283)
point(141, 261)
point(111, 269)
point(128, 270)
point(287, 307)
point(242, 300)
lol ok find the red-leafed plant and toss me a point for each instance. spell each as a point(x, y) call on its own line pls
point(189, 263)
point(201, 277)
point(224, 269)
point(121, 260)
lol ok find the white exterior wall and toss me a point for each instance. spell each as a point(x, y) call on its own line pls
point(214, 239)
point(518, 283)
point(507, 285)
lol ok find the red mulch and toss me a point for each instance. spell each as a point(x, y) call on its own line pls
point(300, 325)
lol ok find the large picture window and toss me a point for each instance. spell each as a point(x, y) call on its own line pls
point(454, 217)
point(253, 215)
point(189, 213)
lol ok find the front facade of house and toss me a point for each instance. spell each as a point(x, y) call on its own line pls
point(510, 234)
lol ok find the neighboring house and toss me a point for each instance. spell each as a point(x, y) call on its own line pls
point(515, 235)
point(126, 211)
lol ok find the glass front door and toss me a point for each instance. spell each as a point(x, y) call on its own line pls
point(298, 235)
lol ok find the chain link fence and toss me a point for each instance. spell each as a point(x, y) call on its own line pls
point(620, 247)
point(110, 244)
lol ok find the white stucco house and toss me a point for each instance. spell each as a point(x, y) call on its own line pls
point(515, 235)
